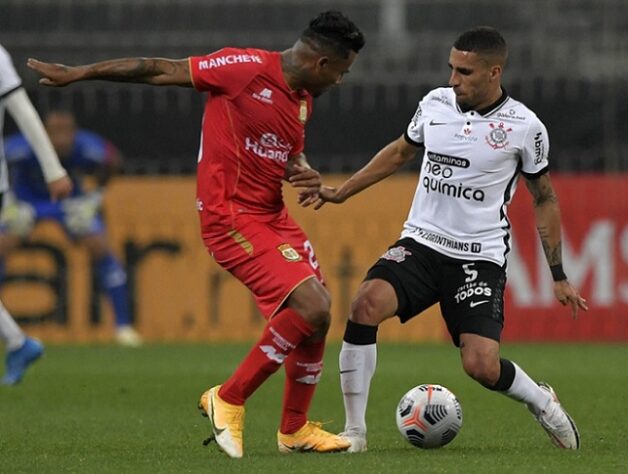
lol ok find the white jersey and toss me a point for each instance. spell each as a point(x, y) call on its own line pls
point(470, 168)
point(9, 82)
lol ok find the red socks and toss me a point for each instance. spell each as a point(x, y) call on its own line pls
point(303, 371)
point(281, 342)
point(280, 337)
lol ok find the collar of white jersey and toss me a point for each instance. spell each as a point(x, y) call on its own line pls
point(491, 109)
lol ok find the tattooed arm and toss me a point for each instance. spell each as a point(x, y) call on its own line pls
point(156, 71)
point(547, 214)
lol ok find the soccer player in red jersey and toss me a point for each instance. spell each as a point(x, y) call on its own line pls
point(252, 139)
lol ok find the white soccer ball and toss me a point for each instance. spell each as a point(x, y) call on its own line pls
point(429, 416)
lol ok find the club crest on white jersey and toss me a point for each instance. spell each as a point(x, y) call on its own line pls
point(498, 136)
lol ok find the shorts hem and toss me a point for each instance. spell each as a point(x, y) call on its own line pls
point(381, 272)
point(480, 326)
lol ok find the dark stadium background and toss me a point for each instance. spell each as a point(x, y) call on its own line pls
point(567, 62)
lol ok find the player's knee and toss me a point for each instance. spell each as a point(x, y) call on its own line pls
point(321, 325)
point(313, 303)
point(365, 310)
point(320, 318)
point(481, 368)
point(319, 321)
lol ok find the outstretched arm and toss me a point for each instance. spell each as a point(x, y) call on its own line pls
point(547, 213)
point(387, 161)
point(155, 71)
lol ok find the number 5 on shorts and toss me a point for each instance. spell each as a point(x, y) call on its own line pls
point(473, 274)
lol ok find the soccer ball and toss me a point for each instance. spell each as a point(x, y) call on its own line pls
point(429, 416)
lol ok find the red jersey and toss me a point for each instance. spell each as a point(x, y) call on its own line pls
point(252, 124)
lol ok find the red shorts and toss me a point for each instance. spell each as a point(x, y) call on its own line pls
point(270, 258)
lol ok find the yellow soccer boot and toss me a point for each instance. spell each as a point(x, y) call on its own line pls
point(311, 437)
point(227, 421)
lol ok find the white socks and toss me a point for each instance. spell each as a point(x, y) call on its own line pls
point(357, 366)
point(10, 332)
point(524, 389)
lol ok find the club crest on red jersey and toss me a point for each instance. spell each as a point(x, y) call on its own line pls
point(303, 111)
point(498, 136)
point(289, 253)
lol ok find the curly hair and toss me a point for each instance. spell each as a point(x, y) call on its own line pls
point(333, 30)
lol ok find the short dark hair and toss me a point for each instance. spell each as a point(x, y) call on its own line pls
point(483, 39)
point(331, 29)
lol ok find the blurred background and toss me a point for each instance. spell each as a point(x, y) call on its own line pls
point(568, 62)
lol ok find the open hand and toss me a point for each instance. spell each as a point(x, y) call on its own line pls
point(309, 182)
point(327, 194)
point(56, 75)
point(568, 295)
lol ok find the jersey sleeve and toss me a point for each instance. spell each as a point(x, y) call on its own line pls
point(414, 131)
point(9, 80)
point(93, 150)
point(16, 149)
point(535, 150)
point(226, 71)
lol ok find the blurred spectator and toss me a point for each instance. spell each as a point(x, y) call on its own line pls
point(81, 152)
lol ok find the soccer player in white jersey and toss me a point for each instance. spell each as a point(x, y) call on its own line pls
point(477, 141)
point(21, 349)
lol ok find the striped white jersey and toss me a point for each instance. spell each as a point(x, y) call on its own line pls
point(470, 168)
point(9, 82)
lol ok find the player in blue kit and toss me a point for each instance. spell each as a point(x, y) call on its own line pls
point(81, 152)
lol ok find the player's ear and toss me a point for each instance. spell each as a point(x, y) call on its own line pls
point(496, 72)
point(322, 62)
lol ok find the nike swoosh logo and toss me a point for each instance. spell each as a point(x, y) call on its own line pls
point(473, 304)
point(437, 123)
point(217, 431)
point(347, 371)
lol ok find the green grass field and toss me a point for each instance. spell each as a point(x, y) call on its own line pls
point(91, 409)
